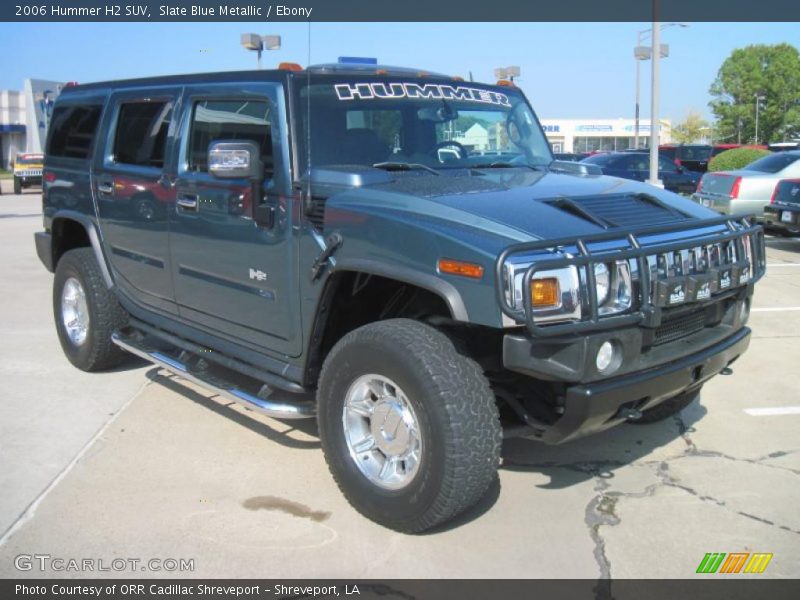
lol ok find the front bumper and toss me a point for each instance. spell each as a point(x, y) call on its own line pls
point(594, 407)
point(29, 180)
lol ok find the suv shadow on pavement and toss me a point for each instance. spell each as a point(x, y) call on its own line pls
point(599, 455)
point(307, 426)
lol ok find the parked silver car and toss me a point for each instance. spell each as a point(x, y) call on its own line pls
point(747, 190)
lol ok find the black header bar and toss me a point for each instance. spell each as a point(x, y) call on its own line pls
point(399, 11)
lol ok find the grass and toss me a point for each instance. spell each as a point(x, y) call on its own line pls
point(6, 174)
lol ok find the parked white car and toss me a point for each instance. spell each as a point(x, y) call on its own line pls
point(747, 190)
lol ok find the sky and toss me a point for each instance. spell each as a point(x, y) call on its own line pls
point(568, 70)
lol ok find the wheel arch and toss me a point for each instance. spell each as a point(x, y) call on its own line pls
point(425, 293)
point(71, 229)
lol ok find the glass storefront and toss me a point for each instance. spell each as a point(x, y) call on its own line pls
point(606, 143)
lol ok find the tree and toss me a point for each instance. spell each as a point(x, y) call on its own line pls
point(772, 72)
point(690, 129)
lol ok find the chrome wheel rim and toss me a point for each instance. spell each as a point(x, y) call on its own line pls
point(382, 432)
point(74, 311)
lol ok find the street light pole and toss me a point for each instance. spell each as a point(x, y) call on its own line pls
point(655, 56)
point(638, 77)
point(758, 105)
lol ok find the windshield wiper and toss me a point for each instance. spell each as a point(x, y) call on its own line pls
point(404, 166)
point(504, 165)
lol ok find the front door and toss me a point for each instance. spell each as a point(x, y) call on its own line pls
point(232, 275)
point(134, 195)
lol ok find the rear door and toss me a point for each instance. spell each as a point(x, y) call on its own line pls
point(234, 276)
point(132, 186)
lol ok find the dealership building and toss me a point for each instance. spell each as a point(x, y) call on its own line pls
point(591, 135)
point(24, 117)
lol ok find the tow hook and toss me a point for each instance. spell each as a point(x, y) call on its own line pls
point(726, 371)
point(629, 414)
point(332, 242)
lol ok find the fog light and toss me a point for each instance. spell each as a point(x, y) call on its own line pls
point(606, 357)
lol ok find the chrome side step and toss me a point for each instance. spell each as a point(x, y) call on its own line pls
point(272, 408)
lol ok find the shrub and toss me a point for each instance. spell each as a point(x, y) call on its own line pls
point(737, 158)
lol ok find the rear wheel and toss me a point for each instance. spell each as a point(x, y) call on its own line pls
point(86, 312)
point(409, 426)
point(666, 409)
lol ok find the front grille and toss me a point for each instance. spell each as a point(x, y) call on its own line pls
point(696, 273)
point(679, 327)
point(30, 173)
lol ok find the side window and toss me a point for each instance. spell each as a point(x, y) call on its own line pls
point(141, 134)
point(214, 120)
point(638, 162)
point(72, 130)
point(666, 165)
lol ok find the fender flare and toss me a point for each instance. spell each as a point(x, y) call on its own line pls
point(444, 289)
point(92, 233)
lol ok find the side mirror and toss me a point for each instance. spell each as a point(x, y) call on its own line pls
point(235, 160)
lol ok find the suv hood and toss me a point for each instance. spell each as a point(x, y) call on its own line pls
point(515, 205)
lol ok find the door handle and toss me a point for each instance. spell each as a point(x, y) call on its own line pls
point(105, 187)
point(187, 201)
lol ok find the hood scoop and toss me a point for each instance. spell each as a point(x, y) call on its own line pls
point(628, 211)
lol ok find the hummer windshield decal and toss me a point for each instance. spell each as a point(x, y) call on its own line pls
point(434, 91)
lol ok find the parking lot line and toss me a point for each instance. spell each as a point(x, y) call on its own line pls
point(779, 265)
point(769, 412)
point(776, 309)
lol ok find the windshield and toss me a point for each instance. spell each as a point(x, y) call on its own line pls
point(773, 163)
point(367, 122)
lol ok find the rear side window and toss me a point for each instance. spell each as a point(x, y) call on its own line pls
point(72, 130)
point(214, 120)
point(773, 163)
point(142, 133)
point(699, 153)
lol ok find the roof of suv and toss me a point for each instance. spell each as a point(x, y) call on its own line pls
point(254, 75)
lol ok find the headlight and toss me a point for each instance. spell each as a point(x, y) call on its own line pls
point(555, 294)
point(602, 278)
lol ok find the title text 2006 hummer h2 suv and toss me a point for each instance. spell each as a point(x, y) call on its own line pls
point(393, 252)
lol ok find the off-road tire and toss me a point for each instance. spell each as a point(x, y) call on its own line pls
point(105, 314)
point(458, 420)
point(666, 409)
point(17, 185)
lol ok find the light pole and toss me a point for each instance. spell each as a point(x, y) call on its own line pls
point(759, 98)
point(258, 43)
point(655, 72)
point(641, 53)
point(507, 72)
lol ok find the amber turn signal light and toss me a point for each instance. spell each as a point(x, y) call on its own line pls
point(457, 267)
point(289, 66)
point(544, 292)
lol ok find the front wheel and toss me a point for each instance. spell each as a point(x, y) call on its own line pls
point(409, 426)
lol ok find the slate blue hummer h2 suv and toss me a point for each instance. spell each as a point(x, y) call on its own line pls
point(392, 252)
